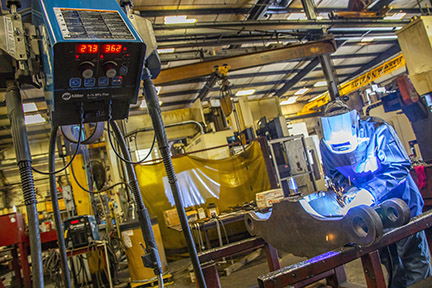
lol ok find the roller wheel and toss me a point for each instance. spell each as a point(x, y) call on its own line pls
point(394, 213)
point(365, 225)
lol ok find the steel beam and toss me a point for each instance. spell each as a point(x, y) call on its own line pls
point(259, 9)
point(299, 76)
point(260, 38)
point(206, 28)
point(198, 55)
point(191, 12)
point(208, 86)
point(379, 5)
point(299, 51)
point(239, 10)
point(384, 56)
point(326, 63)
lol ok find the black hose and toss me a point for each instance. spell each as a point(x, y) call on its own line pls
point(155, 114)
point(23, 158)
point(56, 209)
point(143, 216)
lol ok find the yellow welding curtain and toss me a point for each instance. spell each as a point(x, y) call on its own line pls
point(227, 183)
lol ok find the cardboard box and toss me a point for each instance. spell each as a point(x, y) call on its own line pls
point(172, 219)
point(267, 198)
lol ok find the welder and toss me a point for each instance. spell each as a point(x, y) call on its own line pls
point(367, 164)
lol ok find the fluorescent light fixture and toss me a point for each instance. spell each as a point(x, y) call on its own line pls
point(290, 100)
point(30, 107)
point(144, 104)
point(272, 43)
point(301, 91)
point(165, 50)
point(297, 16)
point(178, 20)
point(158, 89)
point(367, 39)
point(34, 119)
point(320, 84)
point(245, 92)
point(396, 16)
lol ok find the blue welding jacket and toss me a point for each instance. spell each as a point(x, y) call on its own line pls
point(379, 164)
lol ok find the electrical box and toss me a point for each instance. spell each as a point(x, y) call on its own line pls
point(415, 40)
point(92, 55)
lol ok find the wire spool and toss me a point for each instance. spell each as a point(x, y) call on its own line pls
point(132, 238)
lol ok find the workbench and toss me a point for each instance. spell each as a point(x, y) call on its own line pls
point(211, 223)
point(330, 265)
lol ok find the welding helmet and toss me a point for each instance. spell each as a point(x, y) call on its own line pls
point(340, 125)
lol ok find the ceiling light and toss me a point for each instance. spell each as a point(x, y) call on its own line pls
point(158, 89)
point(272, 43)
point(30, 107)
point(245, 92)
point(301, 91)
point(290, 100)
point(178, 20)
point(367, 39)
point(165, 50)
point(396, 16)
point(320, 84)
point(33, 119)
point(297, 16)
point(144, 104)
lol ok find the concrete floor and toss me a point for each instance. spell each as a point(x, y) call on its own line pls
point(247, 276)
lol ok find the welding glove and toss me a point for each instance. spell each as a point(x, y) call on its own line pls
point(356, 197)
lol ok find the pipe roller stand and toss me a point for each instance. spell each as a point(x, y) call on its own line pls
point(290, 228)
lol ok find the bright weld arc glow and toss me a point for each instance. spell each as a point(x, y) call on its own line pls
point(30, 107)
point(245, 92)
point(181, 19)
point(33, 119)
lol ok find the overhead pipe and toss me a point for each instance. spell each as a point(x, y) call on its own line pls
point(200, 126)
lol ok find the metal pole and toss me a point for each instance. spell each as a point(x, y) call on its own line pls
point(22, 152)
point(326, 63)
point(143, 215)
point(56, 209)
point(155, 114)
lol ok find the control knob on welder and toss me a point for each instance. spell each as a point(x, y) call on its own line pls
point(86, 69)
point(110, 69)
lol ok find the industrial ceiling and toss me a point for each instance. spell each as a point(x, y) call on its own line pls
point(224, 28)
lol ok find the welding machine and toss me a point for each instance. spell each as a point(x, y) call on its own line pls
point(92, 57)
point(80, 231)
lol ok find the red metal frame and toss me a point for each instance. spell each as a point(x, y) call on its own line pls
point(315, 269)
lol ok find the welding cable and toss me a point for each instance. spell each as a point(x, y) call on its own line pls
point(160, 280)
point(97, 192)
point(223, 227)
point(390, 272)
point(72, 158)
point(112, 145)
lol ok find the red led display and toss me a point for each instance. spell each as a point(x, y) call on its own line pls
point(87, 48)
point(74, 221)
point(112, 48)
